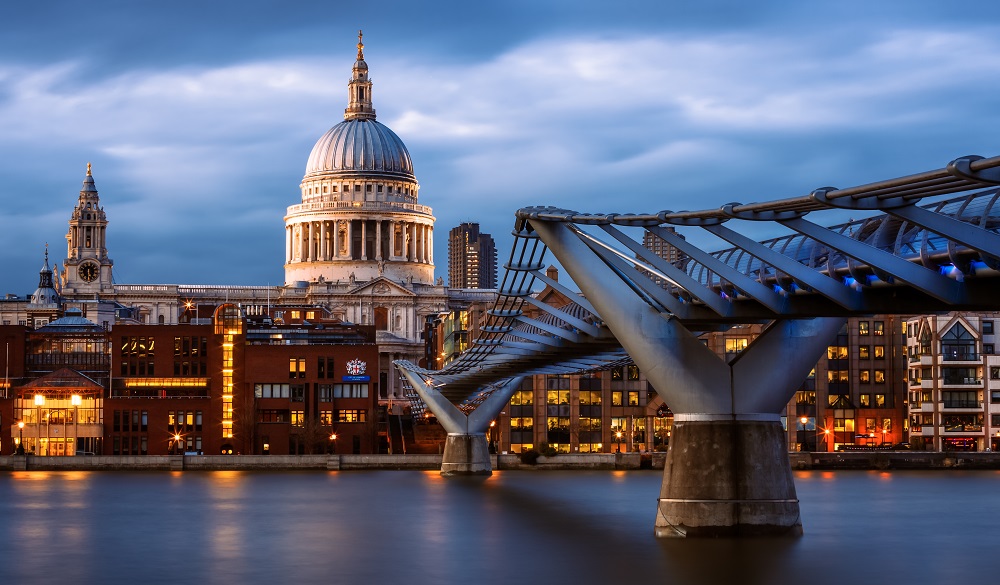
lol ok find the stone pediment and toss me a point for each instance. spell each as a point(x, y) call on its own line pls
point(382, 286)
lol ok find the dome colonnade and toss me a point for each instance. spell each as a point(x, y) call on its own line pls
point(359, 213)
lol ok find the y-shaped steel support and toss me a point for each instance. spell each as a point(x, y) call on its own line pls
point(466, 451)
point(727, 470)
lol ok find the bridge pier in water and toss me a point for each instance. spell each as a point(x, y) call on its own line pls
point(466, 451)
point(727, 471)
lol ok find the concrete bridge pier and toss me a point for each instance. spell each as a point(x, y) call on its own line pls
point(727, 478)
point(727, 471)
point(466, 451)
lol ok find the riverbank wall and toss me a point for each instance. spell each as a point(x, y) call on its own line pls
point(878, 460)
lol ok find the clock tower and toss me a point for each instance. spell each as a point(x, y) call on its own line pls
point(87, 268)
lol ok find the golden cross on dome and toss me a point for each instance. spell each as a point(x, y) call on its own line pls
point(361, 47)
point(88, 169)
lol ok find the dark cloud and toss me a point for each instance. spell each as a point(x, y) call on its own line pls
point(199, 117)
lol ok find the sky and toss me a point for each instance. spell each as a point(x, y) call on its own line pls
point(199, 117)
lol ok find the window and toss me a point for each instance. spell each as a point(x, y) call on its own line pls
point(557, 397)
point(271, 390)
point(878, 328)
point(958, 344)
point(960, 398)
point(989, 348)
point(298, 392)
point(879, 352)
point(865, 376)
point(557, 383)
point(351, 415)
point(987, 327)
point(837, 375)
point(865, 400)
point(736, 344)
point(633, 398)
point(522, 398)
point(805, 397)
point(994, 396)
point(298, 418)
point(863, 328)
point(994, 372)
point(296, 367)
point(633, 372)
point(995, 420)
point(350, 390)
point(272, 416)
point(616, 398)
point(880, 376)
point(836, 352)
point(863, 352)
point(324, 367)
point(325, 392)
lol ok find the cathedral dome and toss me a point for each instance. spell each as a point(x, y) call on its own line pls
point(360, 146)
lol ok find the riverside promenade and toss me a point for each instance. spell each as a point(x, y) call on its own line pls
point(859, 460)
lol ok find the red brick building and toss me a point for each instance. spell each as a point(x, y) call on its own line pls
point(228, 386)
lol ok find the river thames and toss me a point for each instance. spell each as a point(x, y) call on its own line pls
point(514, 527)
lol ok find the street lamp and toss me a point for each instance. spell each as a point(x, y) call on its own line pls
point(333, 443)
point(20, 437)
point(804, 420)
point(177, 441)
point(618, 437)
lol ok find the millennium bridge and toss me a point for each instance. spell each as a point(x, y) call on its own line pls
point(929, 243)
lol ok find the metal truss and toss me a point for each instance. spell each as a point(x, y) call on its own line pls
point(909, 258)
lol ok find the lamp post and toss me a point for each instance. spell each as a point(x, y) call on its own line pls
point(20, 437)
point(618, 438)
point(333, 443)
point(177, 439)
point(826, 433)
point(804, 420)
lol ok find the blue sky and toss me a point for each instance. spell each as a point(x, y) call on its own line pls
point(199, 116)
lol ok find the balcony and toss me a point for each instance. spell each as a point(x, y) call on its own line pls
point(961, 381)
point(960, 356)
point(973, 404)
point(963, 428)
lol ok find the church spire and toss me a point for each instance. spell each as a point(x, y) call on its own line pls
point(359, 97)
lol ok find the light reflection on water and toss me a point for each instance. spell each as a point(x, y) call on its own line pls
point(514, 527)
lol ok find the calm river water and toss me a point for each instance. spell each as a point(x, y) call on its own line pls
point(515, 528)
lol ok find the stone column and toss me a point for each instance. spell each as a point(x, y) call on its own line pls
point(350, 240)
point(364, 239)
point(378, 239)
point(322, 241)
point(392, 240)
point(288, 244)
point(430, 244)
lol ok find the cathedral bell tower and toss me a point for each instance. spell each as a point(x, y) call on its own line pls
point(87, 268)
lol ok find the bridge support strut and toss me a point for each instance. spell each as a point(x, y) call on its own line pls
point(466, 451)
point(727, 471)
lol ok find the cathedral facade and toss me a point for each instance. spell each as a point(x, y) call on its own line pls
point(358, 249)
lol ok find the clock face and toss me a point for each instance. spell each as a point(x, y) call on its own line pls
point(89, 271)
